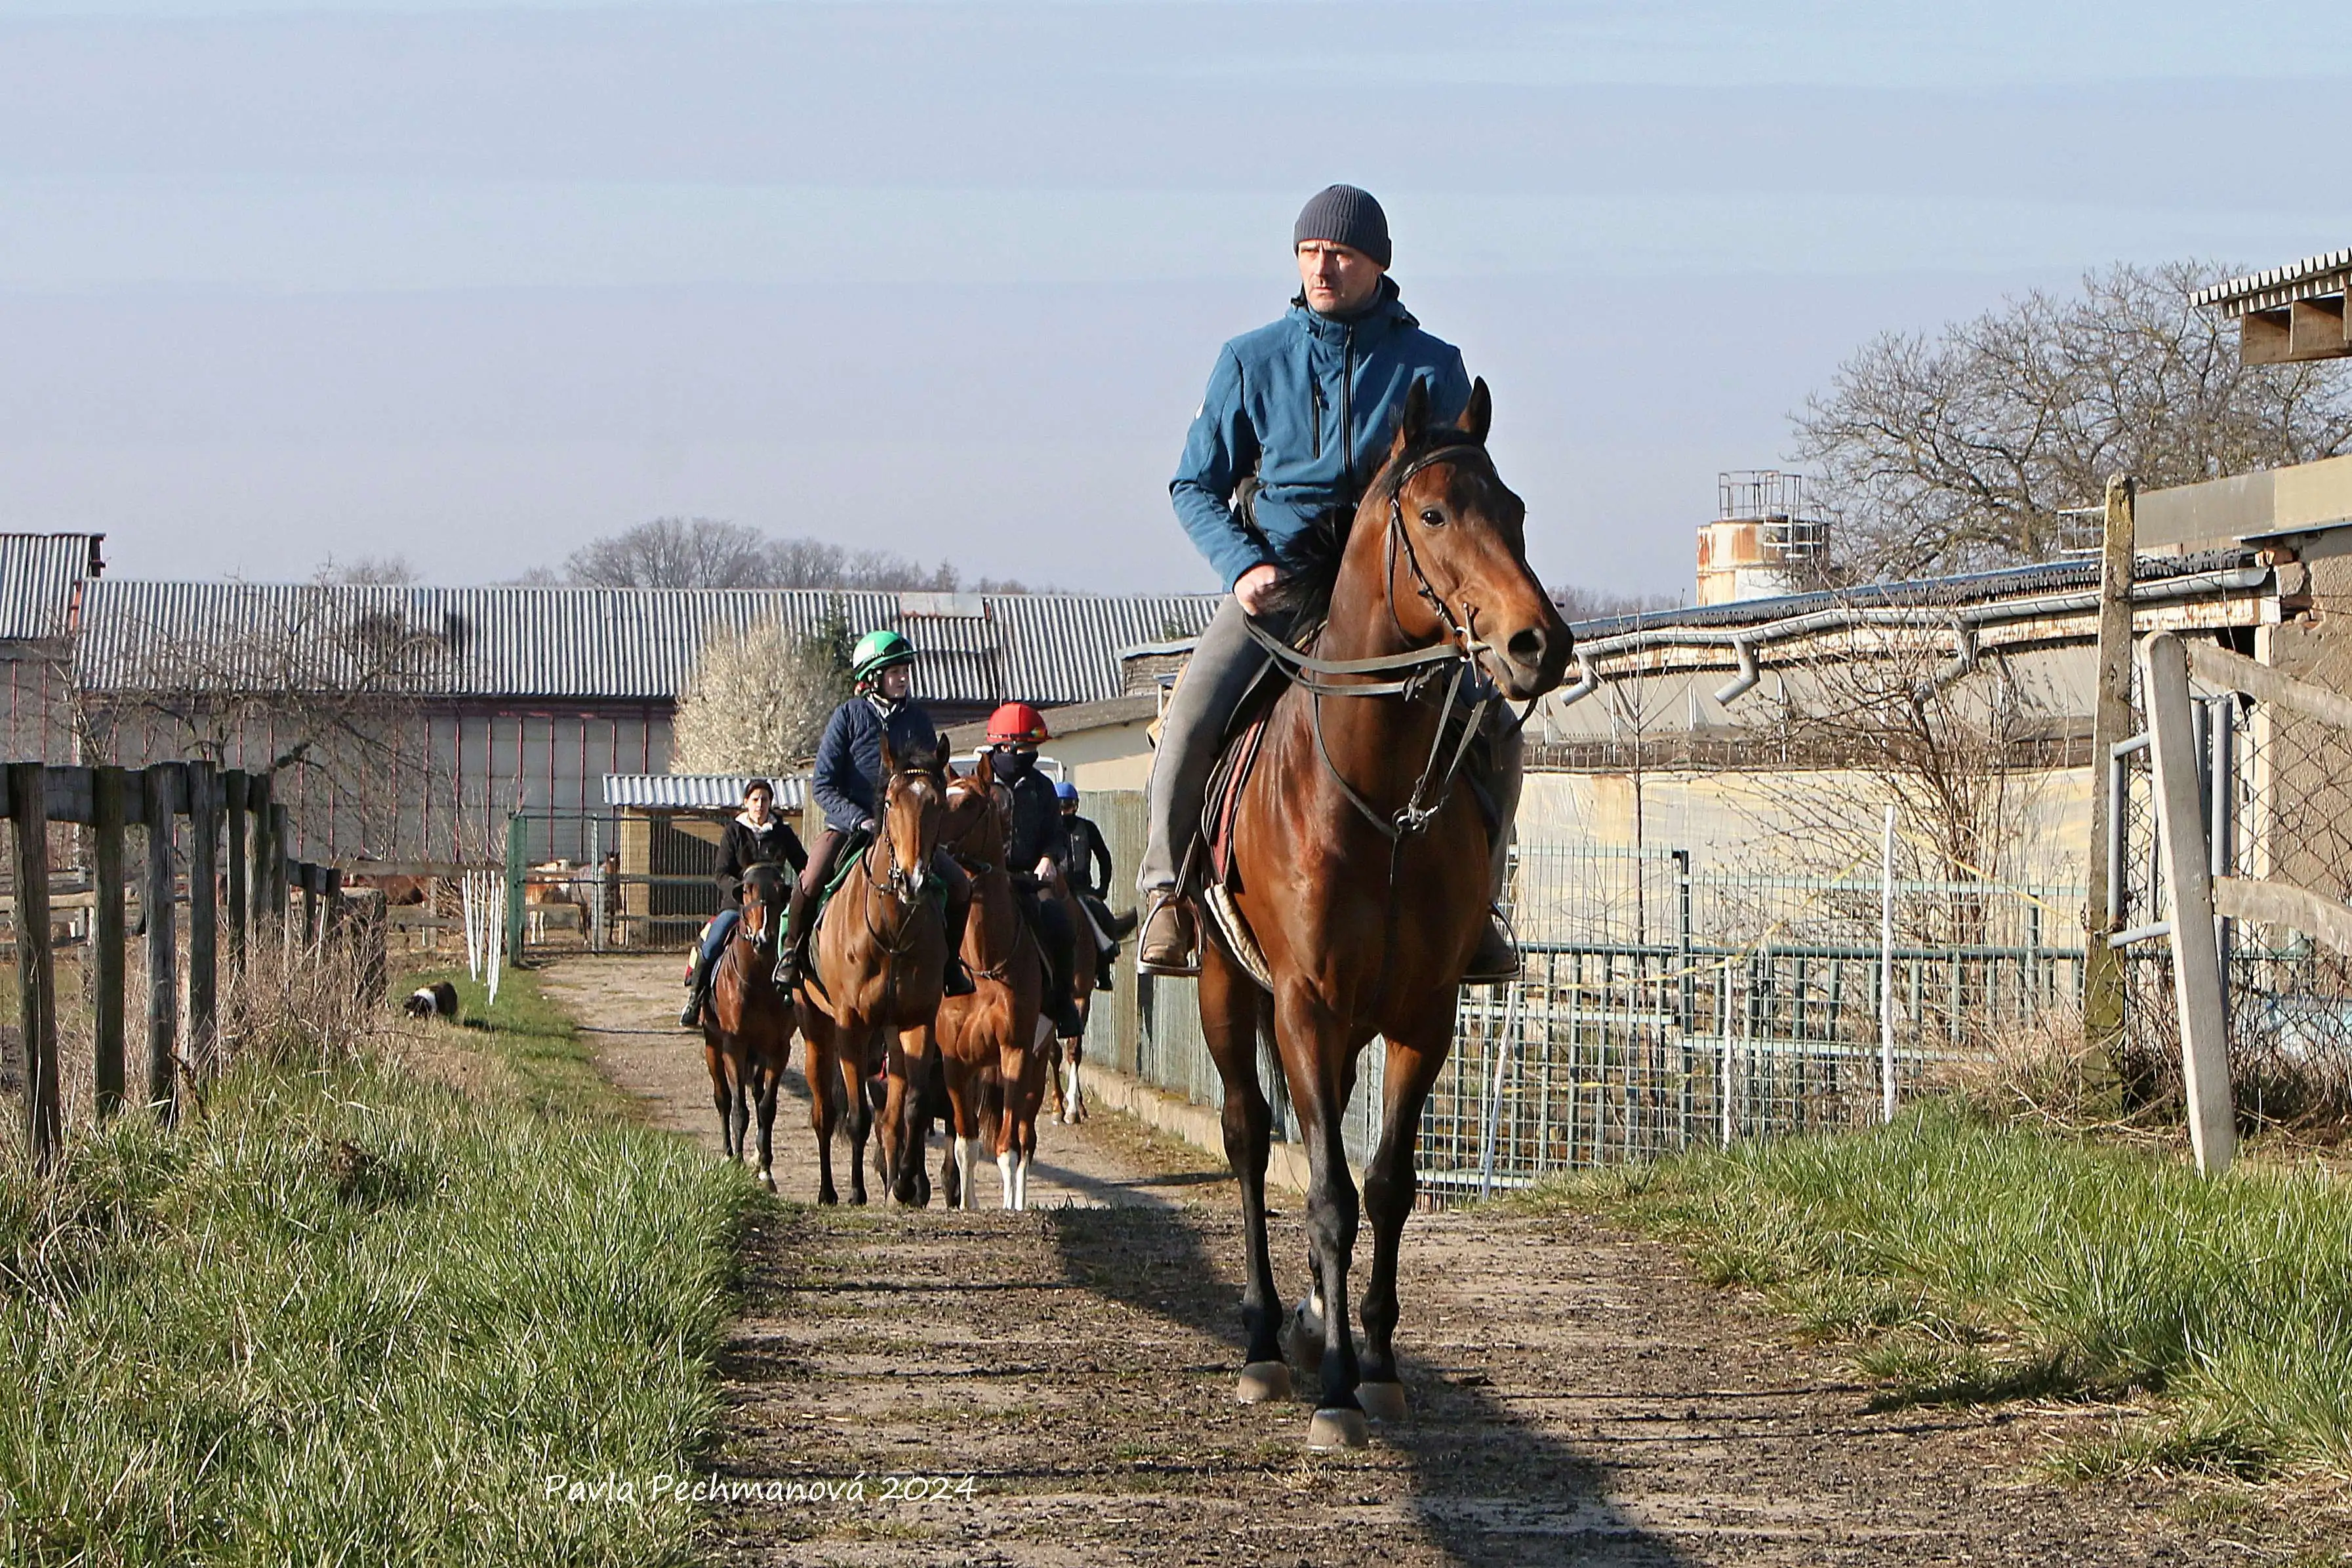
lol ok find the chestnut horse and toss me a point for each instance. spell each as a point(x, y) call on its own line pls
point(997, 1027)
point(873, 988)
point(1361, 867)
point(746, 1029)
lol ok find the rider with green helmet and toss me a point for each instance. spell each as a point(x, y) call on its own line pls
point(848, 788)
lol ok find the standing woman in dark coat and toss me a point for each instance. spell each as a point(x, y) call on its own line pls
point(754, 836)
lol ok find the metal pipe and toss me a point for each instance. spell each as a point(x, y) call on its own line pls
point(1744, 641)
point(1741, 684)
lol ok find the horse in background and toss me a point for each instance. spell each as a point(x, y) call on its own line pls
point(1359, 873)
point(1065, 1095)
point(872, 994)
point(997, 1030)
point(747, 1028)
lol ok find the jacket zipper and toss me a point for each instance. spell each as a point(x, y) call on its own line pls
point(1315, 390)
point(1348, 412)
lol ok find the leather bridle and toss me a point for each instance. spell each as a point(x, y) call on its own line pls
point(1409, 675)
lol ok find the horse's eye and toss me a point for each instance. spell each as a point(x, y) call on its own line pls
point(1433, 518)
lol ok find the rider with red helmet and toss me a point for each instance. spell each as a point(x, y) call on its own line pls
point(1034, 853)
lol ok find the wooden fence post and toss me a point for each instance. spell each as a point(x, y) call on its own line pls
point(2189, 883)
point(281, 840)
point(260, 880)
point(235, 794)
point(36, 980)
point(161, 789)
point(109, 935)
point(2103, 972)
point(204, 799)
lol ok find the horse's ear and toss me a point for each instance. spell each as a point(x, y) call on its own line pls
point(983, 772)
point(889, 757)
point(1414, 422)
point(1479, 416)
point(940, 757)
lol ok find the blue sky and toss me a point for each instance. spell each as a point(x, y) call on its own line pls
point(475, 282)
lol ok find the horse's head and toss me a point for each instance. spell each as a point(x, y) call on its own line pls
point(1444, 539)
point(978, 820)
point(914, 797)
point(764, 906)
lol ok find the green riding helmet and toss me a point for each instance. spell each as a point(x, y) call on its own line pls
point(876, 651)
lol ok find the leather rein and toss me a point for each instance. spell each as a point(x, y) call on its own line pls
point(1409, 675)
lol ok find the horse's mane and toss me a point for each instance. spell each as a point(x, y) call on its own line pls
point(1305, 591)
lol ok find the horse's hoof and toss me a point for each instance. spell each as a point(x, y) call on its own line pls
point(1262, 1382)
point(1337, 1429)
point(768, 1180)
point(1381, 1401)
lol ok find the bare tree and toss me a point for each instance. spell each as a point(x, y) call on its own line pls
point(1958, 453)
point(673, 552)
point(313, 686)
point(757, 701)
point(1577, 603)
point(706, 552)
point(368, 571)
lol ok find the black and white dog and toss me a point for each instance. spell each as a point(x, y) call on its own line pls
point(436, 1000)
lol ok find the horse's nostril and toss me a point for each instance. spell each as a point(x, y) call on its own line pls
point(1527, 646)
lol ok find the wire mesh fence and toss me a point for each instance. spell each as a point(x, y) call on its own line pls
point(1666, 1005)
point(2275, 786)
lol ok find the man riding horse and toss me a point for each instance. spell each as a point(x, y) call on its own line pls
point(1298, 418)
point(848, 783)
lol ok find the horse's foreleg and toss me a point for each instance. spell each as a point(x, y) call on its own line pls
point(769, 1079)
point(818, 1061)
point(852, 1061)
point(1229, 1024)
point(1389, 1187)
point(738, 1109)
point(1320, 1067)
point(715, 1060)
point(1074, 1055)
point(917, 1057)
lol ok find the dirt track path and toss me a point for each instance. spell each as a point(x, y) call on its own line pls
point(1576, 1398)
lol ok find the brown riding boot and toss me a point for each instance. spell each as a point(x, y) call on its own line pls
point(1497, 957)
point(1168, 944)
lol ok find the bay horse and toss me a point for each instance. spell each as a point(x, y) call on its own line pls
point(747, 1028)
point(1362, 873)
point(999, 1028)
point(873, 987)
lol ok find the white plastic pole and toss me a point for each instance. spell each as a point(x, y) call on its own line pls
point(1886, 969)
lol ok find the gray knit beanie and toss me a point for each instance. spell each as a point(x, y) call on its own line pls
point(1344, 215)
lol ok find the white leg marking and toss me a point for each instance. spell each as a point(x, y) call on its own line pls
point(1021, 1182)
point(967, 1155)
point(1004, 1180)
point(1075, 1101)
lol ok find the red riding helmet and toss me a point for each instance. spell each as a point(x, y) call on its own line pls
point(1016, 724)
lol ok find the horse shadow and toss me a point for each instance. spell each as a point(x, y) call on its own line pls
point(1482, 1483)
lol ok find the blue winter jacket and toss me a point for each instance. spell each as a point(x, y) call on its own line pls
point(848, 782)
point(1278, 403)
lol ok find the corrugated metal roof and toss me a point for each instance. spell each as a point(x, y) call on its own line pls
point(1971, 588)
point(691, 792)
point(598, 643)
point(2306, 279)
point(40, 582)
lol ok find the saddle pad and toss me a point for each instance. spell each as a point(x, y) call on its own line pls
point(1224, 795)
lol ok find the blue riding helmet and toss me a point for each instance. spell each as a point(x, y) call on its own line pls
point(1066, 790)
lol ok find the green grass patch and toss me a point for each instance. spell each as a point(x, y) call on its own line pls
point(532, 1039)
point(355, 1314)
point(1981, 1261)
